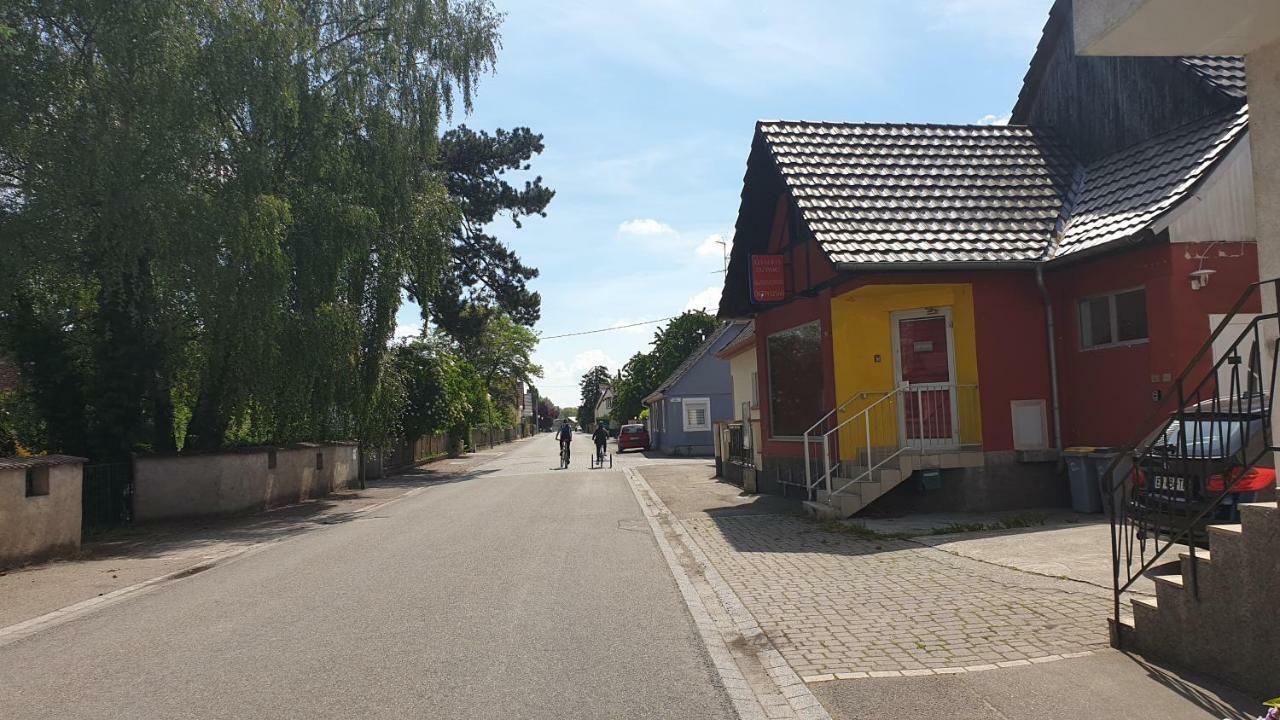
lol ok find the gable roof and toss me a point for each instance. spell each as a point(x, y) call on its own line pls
point(1221, 73)
point(1125, 194)
point(725, 328)
point(903, 194)
point(736, 345)
point(875, 193)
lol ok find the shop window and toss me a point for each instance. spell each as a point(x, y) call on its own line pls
point(1114, 319)
point(795, 379)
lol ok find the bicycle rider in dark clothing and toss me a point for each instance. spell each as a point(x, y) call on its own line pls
point(601, 436)
point(566, 439)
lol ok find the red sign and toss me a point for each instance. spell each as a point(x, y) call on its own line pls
point(768, 279)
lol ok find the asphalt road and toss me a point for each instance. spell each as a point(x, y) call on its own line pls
point(522, 591)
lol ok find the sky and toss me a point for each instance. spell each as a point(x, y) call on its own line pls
point(647, 108)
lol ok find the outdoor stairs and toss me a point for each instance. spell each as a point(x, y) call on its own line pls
point(1221, 613)
point(861, 493)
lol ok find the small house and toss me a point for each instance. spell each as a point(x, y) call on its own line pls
point(684, 408)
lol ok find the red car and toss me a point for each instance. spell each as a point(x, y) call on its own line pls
point(631, 437)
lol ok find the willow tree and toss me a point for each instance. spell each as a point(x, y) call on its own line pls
point(210, 208)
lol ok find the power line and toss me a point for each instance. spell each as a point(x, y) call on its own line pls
point(616, 327)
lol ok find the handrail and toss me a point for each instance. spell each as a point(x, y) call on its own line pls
point(1136, 512)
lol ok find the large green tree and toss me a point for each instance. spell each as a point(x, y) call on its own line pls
point(210, 209)
point(592, 385)
point(645, 371)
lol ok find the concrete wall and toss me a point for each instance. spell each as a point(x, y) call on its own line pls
point(167, 487)
point(42, 526)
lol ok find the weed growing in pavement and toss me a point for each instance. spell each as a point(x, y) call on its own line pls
point(860, 530)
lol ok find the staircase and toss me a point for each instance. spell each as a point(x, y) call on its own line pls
point(1217, 613)
point(1214, 609)
point(886, 436)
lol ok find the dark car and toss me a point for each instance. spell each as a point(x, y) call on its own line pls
point(1209, 450)
point(631, 437)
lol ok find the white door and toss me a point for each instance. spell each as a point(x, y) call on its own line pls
point(924, 360)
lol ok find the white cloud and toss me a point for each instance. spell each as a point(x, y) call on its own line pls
point(408, 330)
point(995, 119)
point(646, 227)
point(711, 245)
point(560, 379)
point(708, 300)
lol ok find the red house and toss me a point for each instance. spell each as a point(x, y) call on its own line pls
point(958, 303)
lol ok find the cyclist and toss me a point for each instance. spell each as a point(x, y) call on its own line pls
point(601, 436)
point(566, 439)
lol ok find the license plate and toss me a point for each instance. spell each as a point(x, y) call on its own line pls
point(1166, 483)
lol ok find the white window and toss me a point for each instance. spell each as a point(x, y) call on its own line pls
point(697, 414)
point(1114, 319)
point(755, 390)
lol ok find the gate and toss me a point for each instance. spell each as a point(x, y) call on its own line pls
point(107, 496)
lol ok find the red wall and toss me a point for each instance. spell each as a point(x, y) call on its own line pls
point(1107, 392)
point(797, 312)
point(1013, 352)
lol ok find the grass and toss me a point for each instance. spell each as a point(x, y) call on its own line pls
point(1013, 522)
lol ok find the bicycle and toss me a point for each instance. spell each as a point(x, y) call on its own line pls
point(564, 455)
point(597, 460)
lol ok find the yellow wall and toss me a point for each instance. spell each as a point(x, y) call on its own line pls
point(862, 330)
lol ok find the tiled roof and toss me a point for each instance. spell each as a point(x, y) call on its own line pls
point(874, 193)
point(683, 368)
point(1224, 72)
point(1125, 193)
point(17, 463)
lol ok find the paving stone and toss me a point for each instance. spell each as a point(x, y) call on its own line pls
point(834, 604)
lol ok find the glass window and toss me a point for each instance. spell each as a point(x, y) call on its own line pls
point(795, 379)
point(697, 414)
point(1113, 319)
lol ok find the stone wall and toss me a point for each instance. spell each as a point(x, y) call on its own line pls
point(44, 520)
point(168, 487)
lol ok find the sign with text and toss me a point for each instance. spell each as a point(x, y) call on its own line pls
point(768, 279)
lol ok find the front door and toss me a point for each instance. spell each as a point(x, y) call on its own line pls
point(925, 362)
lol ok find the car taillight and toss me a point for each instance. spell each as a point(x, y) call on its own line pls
point(1139, 478)
point(1255, 478)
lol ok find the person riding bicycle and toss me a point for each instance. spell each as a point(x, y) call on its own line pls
point(565, 435)
point(601, 436)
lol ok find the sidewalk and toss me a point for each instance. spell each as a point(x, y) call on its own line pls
point(884, 628)
point(120, 559)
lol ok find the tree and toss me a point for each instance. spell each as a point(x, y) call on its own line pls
point(645, 371)
point(485, 274)
point(210, 209)
point(501, 352)
point(592, 386)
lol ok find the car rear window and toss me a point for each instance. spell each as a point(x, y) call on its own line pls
point(1207, 438)
point(633, 429)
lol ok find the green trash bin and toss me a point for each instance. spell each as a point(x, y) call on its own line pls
point(1082, 473)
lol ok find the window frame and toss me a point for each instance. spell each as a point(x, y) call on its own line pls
point(1113, 318)
point(768, 366)
point(705, 403)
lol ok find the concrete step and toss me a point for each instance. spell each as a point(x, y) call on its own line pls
point(1261, 517)
point(1226, 539)
point(821, 510)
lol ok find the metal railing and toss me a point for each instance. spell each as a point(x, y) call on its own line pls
point(878, 426)
point(106, 498)
point(1163, 490)
point(739, 446)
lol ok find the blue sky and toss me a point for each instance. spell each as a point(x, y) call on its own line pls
point(648, 108)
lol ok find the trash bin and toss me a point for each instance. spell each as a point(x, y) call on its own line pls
point(1101, 459)
point(1083, 475)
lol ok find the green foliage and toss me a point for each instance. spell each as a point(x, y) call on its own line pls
point(211, 211)
point(645, 371)
point(591, 387)
point(21, 426)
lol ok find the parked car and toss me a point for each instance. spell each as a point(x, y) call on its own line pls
point(631, 437)
point(1207, 449)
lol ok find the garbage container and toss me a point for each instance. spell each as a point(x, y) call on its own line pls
point(1101, 459)
point(1083, 475)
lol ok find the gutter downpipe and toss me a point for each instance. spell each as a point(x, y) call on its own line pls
point(1053, 359)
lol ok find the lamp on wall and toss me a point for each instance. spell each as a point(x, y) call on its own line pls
point(1200, 278)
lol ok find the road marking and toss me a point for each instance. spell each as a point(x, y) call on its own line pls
point(738, 648)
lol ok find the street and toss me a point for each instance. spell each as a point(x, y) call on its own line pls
point(516, 591)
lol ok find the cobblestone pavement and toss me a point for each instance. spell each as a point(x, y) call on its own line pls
point(842, 606)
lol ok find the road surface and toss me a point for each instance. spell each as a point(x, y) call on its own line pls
point(520, 591)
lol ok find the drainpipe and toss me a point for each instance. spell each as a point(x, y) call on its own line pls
point(1053, 358)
